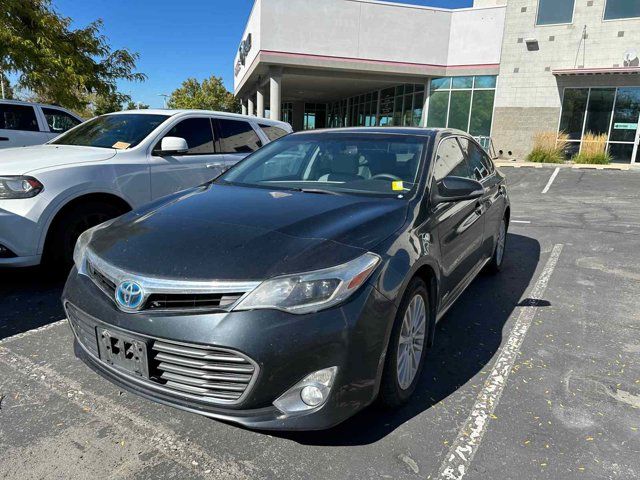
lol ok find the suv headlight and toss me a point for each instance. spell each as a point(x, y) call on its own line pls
point(12, 187)
point(312, 291)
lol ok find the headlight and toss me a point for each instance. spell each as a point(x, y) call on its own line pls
point(80, 250)
point(12, 187)
point(312, 291)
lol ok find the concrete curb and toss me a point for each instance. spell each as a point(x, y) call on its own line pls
point(620, 167)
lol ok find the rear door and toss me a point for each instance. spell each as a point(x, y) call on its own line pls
point(172, 173)
point(236, 139)
point(19, 126)
point(460, 224)
point(494, 201)
point(58, 121)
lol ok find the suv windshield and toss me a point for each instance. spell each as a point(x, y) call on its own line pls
point(119, 131)
point(373, 164)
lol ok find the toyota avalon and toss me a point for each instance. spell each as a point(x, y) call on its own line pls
point(298, 287)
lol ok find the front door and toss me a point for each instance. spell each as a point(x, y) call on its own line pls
point(172, 173)
point(460, 224)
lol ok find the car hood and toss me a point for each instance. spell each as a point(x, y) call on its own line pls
point(23, 160)
point(240, 233)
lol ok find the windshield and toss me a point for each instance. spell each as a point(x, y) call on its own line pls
point(112, 131)
point(373, 164)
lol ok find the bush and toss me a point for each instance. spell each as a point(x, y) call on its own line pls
point(593, 151)
point(548, 147)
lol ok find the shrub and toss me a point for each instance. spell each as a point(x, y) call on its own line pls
point(593, 151)
point(548, 147)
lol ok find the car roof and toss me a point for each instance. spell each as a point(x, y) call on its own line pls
point(21, 102)
point(414, 131)
point(169, 112)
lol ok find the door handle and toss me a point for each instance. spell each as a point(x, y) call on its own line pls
point(215, 165)
point(479, 209)
point(4, 139)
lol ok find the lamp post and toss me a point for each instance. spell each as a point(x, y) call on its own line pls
point(164, 97)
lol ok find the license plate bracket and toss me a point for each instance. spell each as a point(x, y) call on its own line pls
point(124, 352)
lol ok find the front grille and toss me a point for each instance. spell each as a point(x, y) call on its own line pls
point(205, 371)
point(207, 374)
point(100, 279)
point(162, 301)
point(169, 301)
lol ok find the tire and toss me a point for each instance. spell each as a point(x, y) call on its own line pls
point(396, 389)
point(497, 259)
point(64, 232)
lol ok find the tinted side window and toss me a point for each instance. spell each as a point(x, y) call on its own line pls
point(479, 164)
point(237, 136)
point(450, 160)
point(58, 120)
point(18, 117)
point(272, 132)
point(198, 134)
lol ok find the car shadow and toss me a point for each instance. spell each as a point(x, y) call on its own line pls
point(467, 338)
point(29, 298)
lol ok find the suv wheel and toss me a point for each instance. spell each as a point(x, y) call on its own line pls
point(69, 226)
point(406, 351)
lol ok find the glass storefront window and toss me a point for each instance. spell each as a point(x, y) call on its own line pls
point(599, 105)
point(438, 109)
point(440, 83)
point(599, 110)
point(482, 112)
point(616, 9)
point(573, 110)
point(459, 110)
point(485, 81)
point(458, 83)
point(418, 103)
point(553, 12)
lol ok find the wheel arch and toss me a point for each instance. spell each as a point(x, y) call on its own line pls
point(107, 198)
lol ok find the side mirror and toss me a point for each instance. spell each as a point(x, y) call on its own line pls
point(173, 145)
point(457, 189)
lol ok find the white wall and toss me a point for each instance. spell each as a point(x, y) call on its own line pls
point(374, 30)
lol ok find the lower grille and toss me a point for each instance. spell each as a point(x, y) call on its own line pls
point(206, 371)
point(207, 374)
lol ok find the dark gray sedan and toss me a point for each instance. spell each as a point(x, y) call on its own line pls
point(298, 287)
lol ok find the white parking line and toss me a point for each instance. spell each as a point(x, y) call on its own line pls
point(553, 177)
point(520, 221)
point(456, 463)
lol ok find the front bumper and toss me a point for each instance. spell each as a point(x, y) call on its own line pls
point(283, 347)
point(20, 232)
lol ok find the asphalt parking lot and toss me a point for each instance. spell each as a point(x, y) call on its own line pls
point(535, 372)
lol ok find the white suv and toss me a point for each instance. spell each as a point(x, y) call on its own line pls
point(23, 124)
point(51, 193)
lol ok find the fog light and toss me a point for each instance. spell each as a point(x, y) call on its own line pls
point(5, 252)
point(308, 394)
point(312, 396)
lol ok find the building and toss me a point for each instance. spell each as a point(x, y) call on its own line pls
point(504, 69)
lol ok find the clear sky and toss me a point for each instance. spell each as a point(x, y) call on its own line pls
point(178, 39)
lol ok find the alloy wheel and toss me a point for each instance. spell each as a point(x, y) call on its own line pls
point(411, 341)
point(502, 237)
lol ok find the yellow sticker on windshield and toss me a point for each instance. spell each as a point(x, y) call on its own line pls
point(121, 145)
point(397, 186)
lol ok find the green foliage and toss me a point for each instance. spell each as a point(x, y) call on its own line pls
point(601, 158)
point(57, 63)
point(211, 94)
point(8, 90)
point(131, 105)
point(540, 155)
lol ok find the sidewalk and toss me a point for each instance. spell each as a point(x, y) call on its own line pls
point(612, 166)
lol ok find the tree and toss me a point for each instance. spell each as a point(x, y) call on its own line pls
point(131, 105)
point(5, 87)
point(211, 94)
point(57, 63)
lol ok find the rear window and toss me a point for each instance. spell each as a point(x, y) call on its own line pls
point(18, 117)
point(59, 121)
point(272, 132)
point(237, 136)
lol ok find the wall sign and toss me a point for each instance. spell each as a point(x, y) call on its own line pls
point(625, 126)
point(243, 51)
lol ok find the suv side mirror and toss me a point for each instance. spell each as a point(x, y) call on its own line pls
point(457, 189)
point(173, 145)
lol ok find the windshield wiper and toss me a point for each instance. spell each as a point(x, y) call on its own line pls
point(317, 190)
